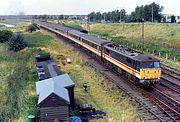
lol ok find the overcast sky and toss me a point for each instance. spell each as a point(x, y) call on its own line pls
point(80, 7)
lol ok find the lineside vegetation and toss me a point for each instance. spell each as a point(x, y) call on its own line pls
point(18, 77)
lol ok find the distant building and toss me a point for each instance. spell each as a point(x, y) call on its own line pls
point(177, 19)
point(167, 18)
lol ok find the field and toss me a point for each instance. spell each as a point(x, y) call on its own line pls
point(18, 77)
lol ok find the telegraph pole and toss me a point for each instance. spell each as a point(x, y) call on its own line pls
point(104, 17)
point(142, 36)
point(120, 17)
point(152, 13)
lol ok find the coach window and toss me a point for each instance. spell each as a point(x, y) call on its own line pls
point(129, 61)
point(98, 47)
point(108, 51)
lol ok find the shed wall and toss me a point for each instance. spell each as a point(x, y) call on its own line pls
point(54, 114)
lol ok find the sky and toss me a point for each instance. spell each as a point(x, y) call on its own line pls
point(80, 7)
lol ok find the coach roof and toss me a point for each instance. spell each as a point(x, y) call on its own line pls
point(96, 40)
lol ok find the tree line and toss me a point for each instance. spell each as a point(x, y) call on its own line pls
point(150, 12)
point(56, 17)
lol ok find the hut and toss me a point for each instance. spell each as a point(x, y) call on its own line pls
point(56, 95)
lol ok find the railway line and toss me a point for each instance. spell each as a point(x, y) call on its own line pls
point(171, 73)
point(156, 105)
point(162, 106)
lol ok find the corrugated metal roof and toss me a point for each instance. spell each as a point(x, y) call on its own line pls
point(62, 80)
point(53, 88)
point(55, 85)
point(65, 80)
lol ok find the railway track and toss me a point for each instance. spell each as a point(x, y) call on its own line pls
point(169, 104)
point(171, 73)
point(150, 101)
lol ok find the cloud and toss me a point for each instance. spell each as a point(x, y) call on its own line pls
point(80, 6)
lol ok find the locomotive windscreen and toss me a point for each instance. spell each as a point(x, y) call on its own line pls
point(150, 64)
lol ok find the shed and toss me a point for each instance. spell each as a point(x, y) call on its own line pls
point(63, 81)
point(53, 102)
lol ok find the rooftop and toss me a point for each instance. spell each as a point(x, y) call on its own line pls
point(56, 85)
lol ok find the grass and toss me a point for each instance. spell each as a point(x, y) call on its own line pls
point(18, 77)
point(2, 25)
point(17, 84)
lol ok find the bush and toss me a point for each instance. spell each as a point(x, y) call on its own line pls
point(32, 27)
point(5, 35)
point(17, 43)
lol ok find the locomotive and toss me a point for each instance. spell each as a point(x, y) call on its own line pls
point(143, 68)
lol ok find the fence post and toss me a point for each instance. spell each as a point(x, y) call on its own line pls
point(174, 58)
point(159, 54)
point(166, 56)
point(147, 50)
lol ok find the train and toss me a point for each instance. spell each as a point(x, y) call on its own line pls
point(142, 68)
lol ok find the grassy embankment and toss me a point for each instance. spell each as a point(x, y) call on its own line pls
point(18, 77)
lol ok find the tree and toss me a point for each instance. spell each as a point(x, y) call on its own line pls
point(5, 35)
point(147, 12)
point(113, 16)
point(32, 27)
point(61, 17)
point(173, 19)
point(17, 43)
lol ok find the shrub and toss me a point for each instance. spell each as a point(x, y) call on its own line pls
point(17, 43)
point(32, 27)
point(5, 35)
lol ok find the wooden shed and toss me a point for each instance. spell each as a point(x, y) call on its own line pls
point(55, 96)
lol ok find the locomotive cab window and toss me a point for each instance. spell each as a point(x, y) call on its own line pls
point(137, 67)
point(150, 65)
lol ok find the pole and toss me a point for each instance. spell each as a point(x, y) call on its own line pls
point(120, 17)
point(152, 14)
point(142, 36)
point(104, 17)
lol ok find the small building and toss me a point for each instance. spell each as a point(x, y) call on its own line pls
point(56, 95)
point(177, 18)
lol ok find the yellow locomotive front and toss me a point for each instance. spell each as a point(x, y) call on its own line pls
point(150, 73)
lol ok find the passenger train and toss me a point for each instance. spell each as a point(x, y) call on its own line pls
point(144, 69)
